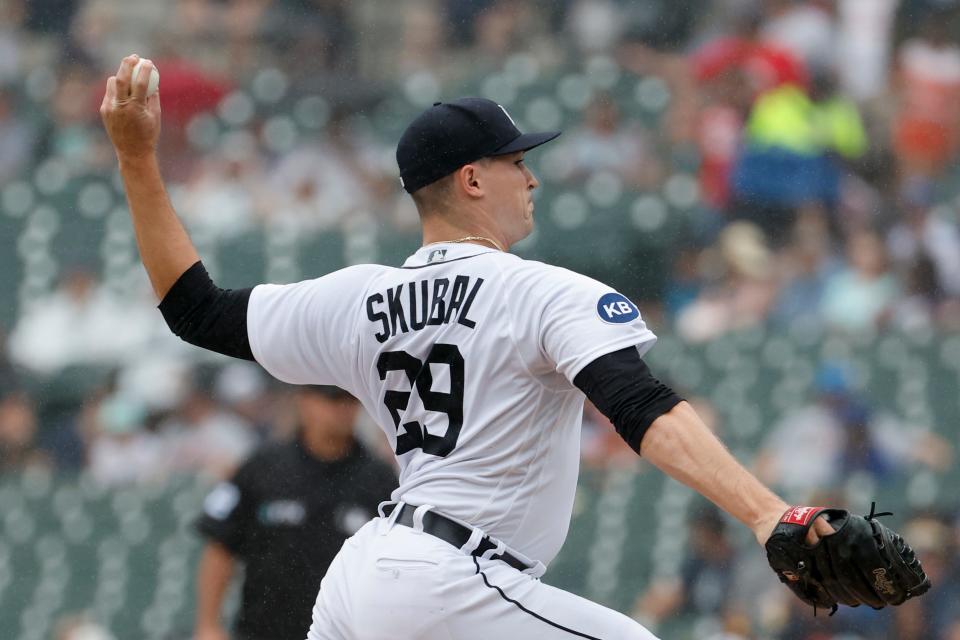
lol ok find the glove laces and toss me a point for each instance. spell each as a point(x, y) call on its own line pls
point(874, 514)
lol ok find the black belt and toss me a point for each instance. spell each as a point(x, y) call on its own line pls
point(454, 533)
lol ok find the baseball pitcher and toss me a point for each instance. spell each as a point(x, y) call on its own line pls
point(475, 363)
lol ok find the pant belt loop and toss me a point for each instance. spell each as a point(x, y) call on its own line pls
point(418, 515)
point(498, 551)
point(537, 570)
point(392, 519)
point(382, 506)
point(472, 542)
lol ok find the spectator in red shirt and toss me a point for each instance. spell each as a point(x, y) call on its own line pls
point(927, 129)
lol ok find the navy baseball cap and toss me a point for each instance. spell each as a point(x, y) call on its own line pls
point(449, 135)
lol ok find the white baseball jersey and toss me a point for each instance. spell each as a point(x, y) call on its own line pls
point(465, 357)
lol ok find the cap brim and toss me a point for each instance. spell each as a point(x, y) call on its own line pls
point(525, 142)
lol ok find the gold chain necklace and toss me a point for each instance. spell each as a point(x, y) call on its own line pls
point(468, 239)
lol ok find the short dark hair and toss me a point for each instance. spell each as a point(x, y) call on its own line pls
point(434, 196)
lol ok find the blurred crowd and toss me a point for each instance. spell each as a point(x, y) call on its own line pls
point(821, 132)
point(149, 424)
point(836, 449)
point(726, 588)
point(823, 136)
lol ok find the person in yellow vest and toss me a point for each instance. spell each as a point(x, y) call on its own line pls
point(794, 147)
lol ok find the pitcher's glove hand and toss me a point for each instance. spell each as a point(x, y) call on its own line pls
point(864, 562)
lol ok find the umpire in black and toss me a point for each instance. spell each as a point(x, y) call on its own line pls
point(284, 515)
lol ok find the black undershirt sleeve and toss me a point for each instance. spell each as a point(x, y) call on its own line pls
point(201, 313)
point(623, 389)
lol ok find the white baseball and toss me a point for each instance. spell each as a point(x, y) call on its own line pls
point(154, 83)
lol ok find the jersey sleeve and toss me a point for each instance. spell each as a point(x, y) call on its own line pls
point(305, 333)
point(574, 319)
point(228, 512)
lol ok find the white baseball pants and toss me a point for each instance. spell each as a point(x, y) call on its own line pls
point(392, 582)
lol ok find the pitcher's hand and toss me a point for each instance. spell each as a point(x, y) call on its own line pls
point(820, 529)
point(131, 119)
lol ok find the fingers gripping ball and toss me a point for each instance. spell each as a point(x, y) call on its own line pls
point(132, 119)
point(154, 82)
point(863, 562)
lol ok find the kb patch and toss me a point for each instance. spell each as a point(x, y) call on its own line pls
point(614, 308)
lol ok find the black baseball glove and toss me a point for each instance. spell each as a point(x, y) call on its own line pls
point(864, 562)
